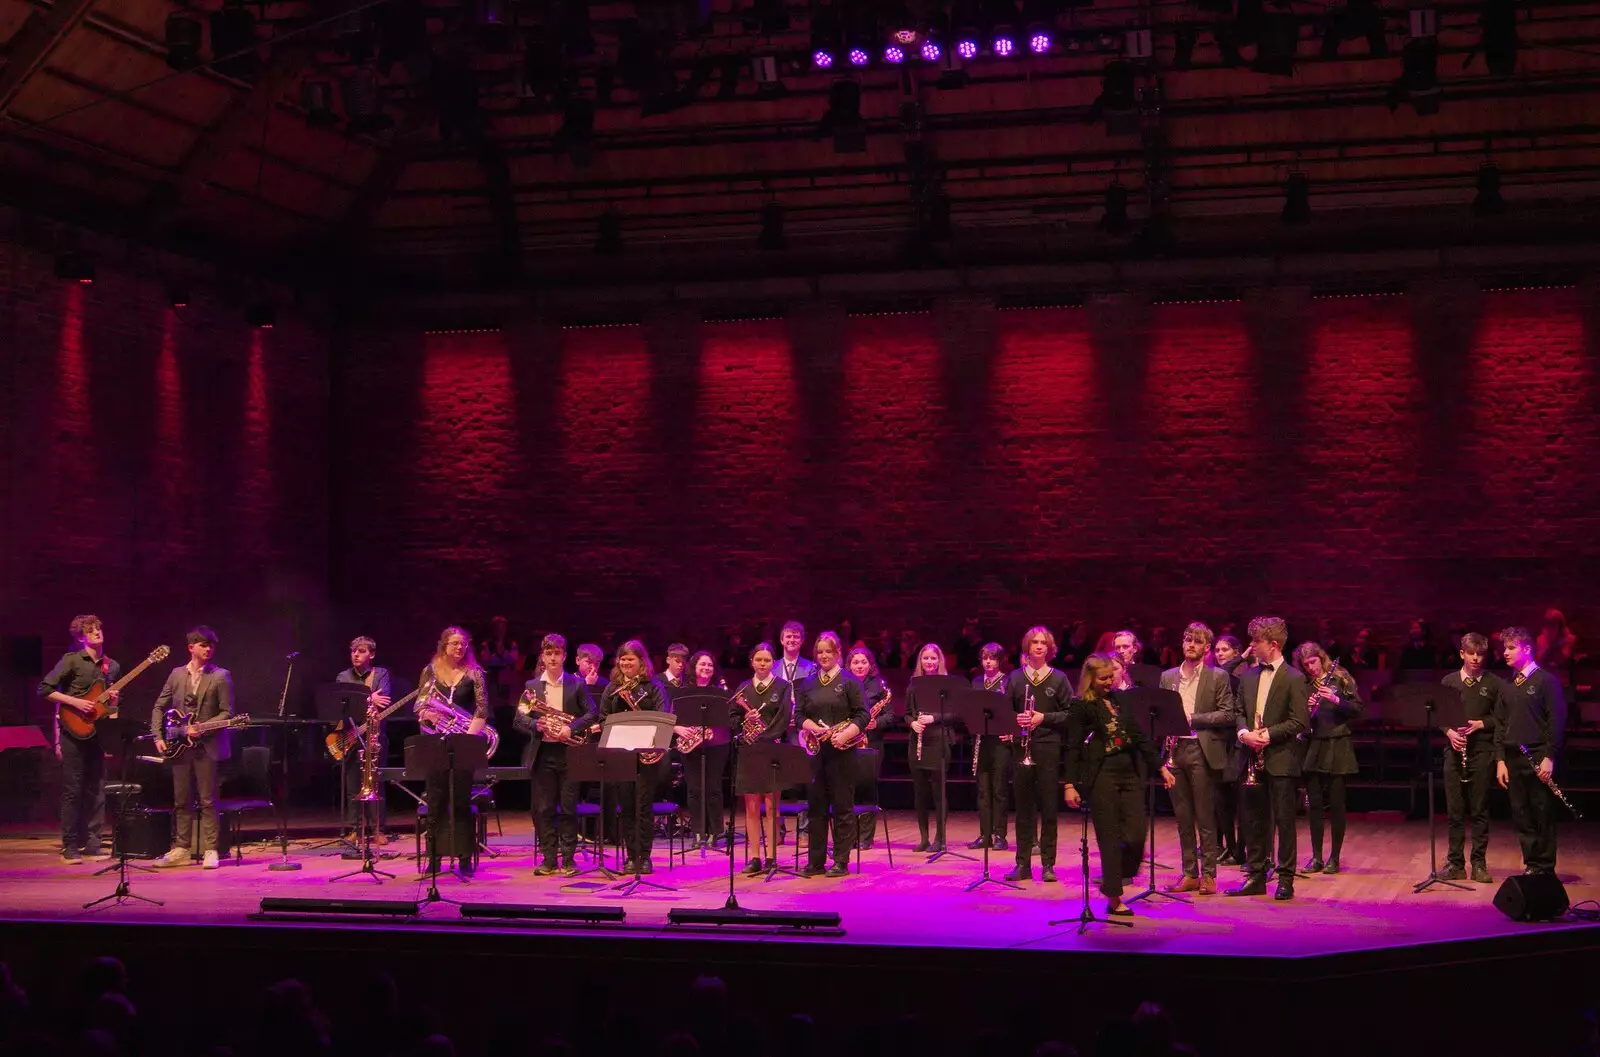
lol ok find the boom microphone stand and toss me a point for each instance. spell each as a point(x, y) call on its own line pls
point(283, 864)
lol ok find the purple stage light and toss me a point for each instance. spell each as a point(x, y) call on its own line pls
point(931, 51)
point(821, 59)
point(1004, 46)
point(1040, 43)
point(893, 55)
point(967, 49)
point(859, 57)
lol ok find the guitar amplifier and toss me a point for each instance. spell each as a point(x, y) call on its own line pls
point(147, 831)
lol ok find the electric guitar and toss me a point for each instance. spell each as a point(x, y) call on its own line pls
point(346, 738)
point(179, 742)
point(81, 724)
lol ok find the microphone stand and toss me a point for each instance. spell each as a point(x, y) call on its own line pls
point(734, 730)
point(284, 865)
point(1087, 916)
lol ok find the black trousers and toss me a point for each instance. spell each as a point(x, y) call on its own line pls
point(462, 841)
point(377, 812)
point(83, 794)
point(1116, 806)
point(194, 776)
point(928, 793)
point(1469, 801)
point(706, 796)
point(1533, 814)
point(833, 787)
point(994, 757)
point(1193, 802)
point(551, 831)
point(1325, 796)
point(1225, 798)
point(635, 799)
point(1274, 798)
point(1038, 802)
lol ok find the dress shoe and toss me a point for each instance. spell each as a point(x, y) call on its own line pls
point(1453, 873)
point(838, 869)
point(465, 868)
point(1333, 865)
point(981, 842)
point(1047, 875)
point(630, 867)
point(1229, 858)
point(1285, 889)
point(812, 871)
point(568, 869)
point(1020, 873)
point(71, 858)
point(545, 869)
point(1253, 886)
point(937, 847)
point(647, 866)
point(753, 868)
point(1188, 884)
point(1316, 865)
point(1208, 886)
point(921, 845)
point(1119, 910)
point(1481, 875)
point(1000, 844)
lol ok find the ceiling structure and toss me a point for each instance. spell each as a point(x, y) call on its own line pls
point(509, 142)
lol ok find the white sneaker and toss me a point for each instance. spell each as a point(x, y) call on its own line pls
point(176, 857)
point(211, 861)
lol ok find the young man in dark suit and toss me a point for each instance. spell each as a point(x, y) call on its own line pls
point(1469, 765)
point(546, 753)
point(1202, 759)
point(204, 691)
point(1535, 718)
point(1274, 707)
point(362, 672)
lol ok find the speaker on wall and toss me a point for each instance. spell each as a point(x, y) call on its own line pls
point(1532, 897)
point(24, 655)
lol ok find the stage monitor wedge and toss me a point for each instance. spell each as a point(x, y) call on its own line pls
point(1532, 897)
point(544, 912)
point(785, 919)
point(279, 905)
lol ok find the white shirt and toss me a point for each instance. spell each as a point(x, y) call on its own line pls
point(552, 691)
point(1188, 689)
point(1528, 670)
point(759, 686)
point(1268, 674)
point(1036, 675)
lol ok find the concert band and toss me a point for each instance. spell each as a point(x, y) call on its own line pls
point(1330, 758)
point(1041, 699)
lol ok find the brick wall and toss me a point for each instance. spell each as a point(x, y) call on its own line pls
point(161, 467)
point(1362, 459)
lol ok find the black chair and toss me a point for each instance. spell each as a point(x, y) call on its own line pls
point(869, 764)
point(251, 790)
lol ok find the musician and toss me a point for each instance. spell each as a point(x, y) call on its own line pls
point(633, 688)
point(83, 787)
point(830, 707)
point(1200, 760)
point(770, 697)
point(677, 656)
point(991, 755)
point(1108, 753)
point(588, 665)
point(1330, 758)
point(929, 751)
point(793, 668)
point(202, 691)
point(1535, 717)
point(1272, 711)
point(875, 695)
point(376, 680)
point(1228, 657)
point(705, 793)
point(453, 680)
point(546, 754)
point(1041, 697)
point(1469, 765)
point(1131, 652)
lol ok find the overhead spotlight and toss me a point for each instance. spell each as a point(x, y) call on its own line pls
point(1115, 219)
point(842, 119)
point(1116, 102)
point(609, 242)
point(1003, 43)
point(261, 315)
point(74, 267)
point(1276, 44)
point(1488, 201)
point(317, 97)
point(764, 70)
point(182, 41)
point(1297, 198)
point(931, 51)
point(233, 41)
point(1499, 37)
point(858, 57)
point(825, 38)
point(771, 237)
point(1184, 39)
point(966, 46)
point(177, 297)
point(363, 102)
point(1039, 39)
point(894, 54)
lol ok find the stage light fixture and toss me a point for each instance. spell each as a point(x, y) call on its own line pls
point(1488, 202)
point(800, 920)
point(609, 241)
point(1039, 40)
point(771, 237)
point(1004, 44)
point(931, 51)
point(894, 55)
point(821, 58)
point(233, 41)
point(966, 47)
point(261, 315)
point(1114, 220)
point(544, 912)
point(74, 267)
point(281, 905)
point(764, 68)
point(904, 29)
point(182, 40)
point(859, 57)
point(1297, 198)
point(825, 38)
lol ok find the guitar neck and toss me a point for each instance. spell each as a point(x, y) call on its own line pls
point(129, 676)
point(396, 706)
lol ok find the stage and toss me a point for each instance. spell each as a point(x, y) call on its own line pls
point(1363, 926)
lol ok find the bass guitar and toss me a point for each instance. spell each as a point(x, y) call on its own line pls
point(177, 726)
point(81, 724)
point(346, 738)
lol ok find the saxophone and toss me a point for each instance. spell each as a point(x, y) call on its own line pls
point(369, 791)
point(625, 691)
point(877, 709)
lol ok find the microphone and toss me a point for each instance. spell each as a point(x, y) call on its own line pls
point(292, 656)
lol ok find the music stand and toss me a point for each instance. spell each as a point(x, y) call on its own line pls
point(1165, 709)
point(975, 709)
point(458, 756)
point(591, 763)
point(787, 765)
point(119, 823)
point(1423, 705)
point(344, 705)
point(638, 731)
point(947, 688)
point(700, 706)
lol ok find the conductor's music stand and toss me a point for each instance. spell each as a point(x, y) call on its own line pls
point(976, 710)
point(943, 689)
point(1423, 705)
point(591, 763)
point(1165, 709)
point(460, 757)
point(344, 707)
point(638, 731)
point(786, 765)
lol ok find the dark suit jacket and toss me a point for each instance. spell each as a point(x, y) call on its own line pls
point(1284, 716)
point(214, 698)
point(1215, 721)
point(575, 702)
point(1087, 737)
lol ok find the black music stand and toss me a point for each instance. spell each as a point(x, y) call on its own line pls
point(1423, 705)
point(344, 706)
point(460, 757)
point(1165, 710)
point(700, 706)
point(788, 765)
point(284, 864)
point(946, 688)
point(976, 709)
point(1087, 916)
point(591, 763)
point(119, 829)
point(638, 731)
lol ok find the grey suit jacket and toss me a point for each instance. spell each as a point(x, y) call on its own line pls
point(1215, 719)
point(214, 698)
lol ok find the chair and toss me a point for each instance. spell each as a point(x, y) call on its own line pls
point(869, 763)
point(795, 809)
point(670, 811)
point(252, 787)
point(479, 824)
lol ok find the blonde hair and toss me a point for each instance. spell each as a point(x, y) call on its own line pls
point(469, 661)
point(1039, 629)
point(1093, 665)
point(937, 652)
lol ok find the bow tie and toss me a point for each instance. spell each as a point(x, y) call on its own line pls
point(1269, 667)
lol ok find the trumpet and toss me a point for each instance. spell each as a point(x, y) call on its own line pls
point(625, 691)
point(1253, 768)
point(812, 742)
point(530, 705)
point(1550, 784)
point(1026, 737)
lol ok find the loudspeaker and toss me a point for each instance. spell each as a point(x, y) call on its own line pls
point(147, 831)
point(24, 655)
point(1532, 897)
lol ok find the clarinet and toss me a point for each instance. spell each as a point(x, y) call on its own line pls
point(1550, 784)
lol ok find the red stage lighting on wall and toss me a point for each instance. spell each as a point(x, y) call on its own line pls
point(74, 267)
